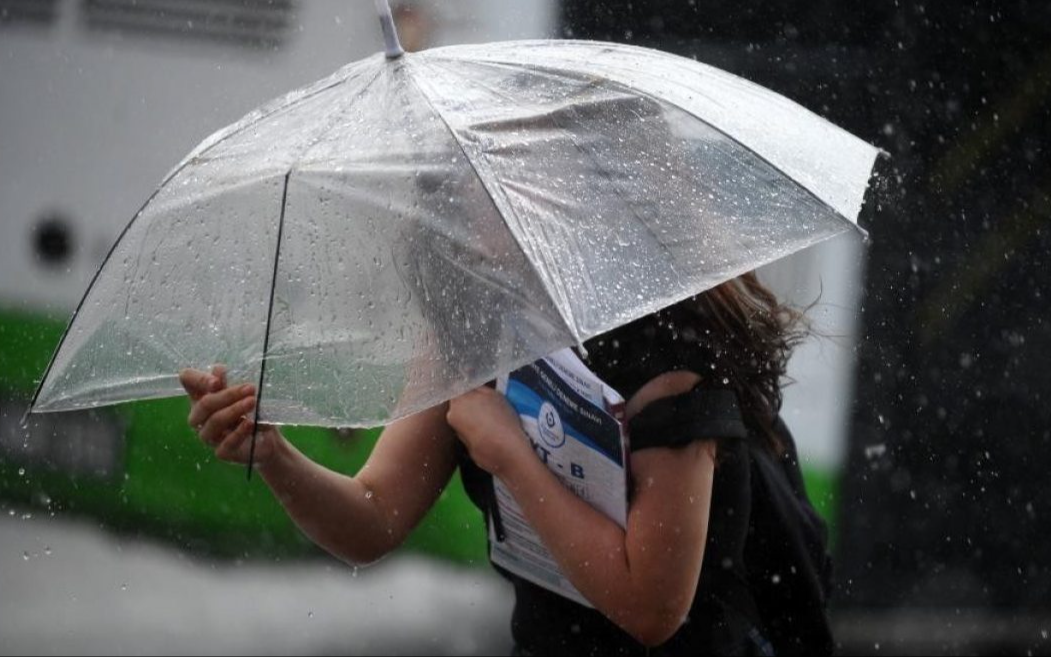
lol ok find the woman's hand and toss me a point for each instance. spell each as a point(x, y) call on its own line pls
point(490, 429)
point(222, 416)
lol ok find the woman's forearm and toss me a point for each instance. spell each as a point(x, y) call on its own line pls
point(357, 519)
point(642, 577)
point(591, 549)
point(337, 512)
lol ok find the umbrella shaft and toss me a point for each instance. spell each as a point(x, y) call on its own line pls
point(390, 33)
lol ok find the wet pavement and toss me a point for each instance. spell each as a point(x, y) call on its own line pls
point(69, 587)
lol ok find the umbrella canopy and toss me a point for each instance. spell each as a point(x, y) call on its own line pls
point(416, 224)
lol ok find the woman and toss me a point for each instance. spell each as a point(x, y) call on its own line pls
point(722, 552)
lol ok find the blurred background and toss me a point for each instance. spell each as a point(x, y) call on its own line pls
point(923, 415)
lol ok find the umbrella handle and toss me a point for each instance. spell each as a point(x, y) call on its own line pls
point(390, 33)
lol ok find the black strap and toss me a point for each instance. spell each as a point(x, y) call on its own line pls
point(700, 414)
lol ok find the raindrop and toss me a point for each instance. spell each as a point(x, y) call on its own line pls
point(25, 556)
point(310, 614)
point(368, 495)
point(47, 550)
point(875, 451)
point(21, 472)
point(123, 587)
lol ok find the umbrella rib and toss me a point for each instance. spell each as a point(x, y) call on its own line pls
point(238, 129)
point(269, 320)
point(83, 299)
point(624, 88)
point(568, 134)
point(175, 172)
point(277, 259)
point(336, 120)
point(567, 321)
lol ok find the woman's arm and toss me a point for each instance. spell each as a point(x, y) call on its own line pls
point(358, 519)
point(644, 577)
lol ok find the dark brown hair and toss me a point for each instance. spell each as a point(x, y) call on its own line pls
point(737, 335)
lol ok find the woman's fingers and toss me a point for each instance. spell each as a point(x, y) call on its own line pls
point(197, 383)
point(231, 446)
point(220, 422)
point(210, 404)
point(235, 446)
point(219, 413)
point(219, 372)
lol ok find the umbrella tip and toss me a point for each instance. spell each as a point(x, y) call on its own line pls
point(391, 43)
point(24, 422)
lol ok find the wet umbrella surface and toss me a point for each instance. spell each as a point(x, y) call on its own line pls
point(415, 224)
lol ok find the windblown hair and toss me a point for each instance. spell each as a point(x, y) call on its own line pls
point(737, 335)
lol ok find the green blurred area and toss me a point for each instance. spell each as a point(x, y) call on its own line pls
point(822, 488)
point(169, 485)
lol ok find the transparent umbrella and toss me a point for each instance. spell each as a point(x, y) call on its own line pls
point(411, 226)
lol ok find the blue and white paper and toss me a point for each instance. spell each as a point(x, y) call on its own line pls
point(570, 418)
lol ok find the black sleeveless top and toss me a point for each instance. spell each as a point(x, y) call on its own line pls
point(766, 570)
